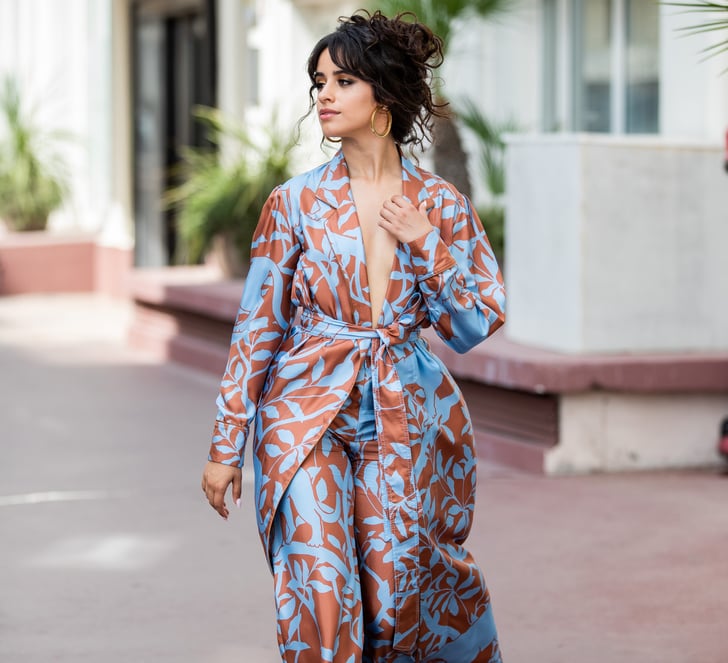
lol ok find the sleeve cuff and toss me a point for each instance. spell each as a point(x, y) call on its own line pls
point(228, 444)
point(430, 255)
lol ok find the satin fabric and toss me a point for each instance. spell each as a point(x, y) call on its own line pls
point(288, 381)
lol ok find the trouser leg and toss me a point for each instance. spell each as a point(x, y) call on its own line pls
point(374, 549)
point(317, 591)
point(474, 641)
point(478, 644)
point(331, 551)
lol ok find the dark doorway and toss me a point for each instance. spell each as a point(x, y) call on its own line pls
point(173, 46)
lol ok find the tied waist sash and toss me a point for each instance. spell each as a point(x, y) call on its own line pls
point(395, 456)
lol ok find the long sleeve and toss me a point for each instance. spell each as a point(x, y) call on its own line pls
point(265, 314)
point(459, 277)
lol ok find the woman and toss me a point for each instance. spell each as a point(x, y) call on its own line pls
point(363, 449)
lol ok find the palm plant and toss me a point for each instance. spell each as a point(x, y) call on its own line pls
point(450, 159)
point(224, 187)
point(492, 164)
point(492, 145)
point(33, 180)
point(718, 12)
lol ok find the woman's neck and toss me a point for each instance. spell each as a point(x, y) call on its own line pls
point(374, 161)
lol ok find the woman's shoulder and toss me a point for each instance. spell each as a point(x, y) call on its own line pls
point(309, 179)
point(437, 187)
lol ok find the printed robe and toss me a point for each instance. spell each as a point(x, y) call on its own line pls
point(288, 375)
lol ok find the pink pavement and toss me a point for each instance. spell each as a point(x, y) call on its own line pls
point(111, 553)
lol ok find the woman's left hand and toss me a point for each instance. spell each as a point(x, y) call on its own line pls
point(403, 220)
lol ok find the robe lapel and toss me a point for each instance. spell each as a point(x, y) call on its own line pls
point(402, 278)
point(336, 210)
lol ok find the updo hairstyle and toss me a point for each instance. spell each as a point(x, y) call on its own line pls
point(395, 56)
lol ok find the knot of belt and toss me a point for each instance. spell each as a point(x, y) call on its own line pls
point(319, 324)
point(401, 500)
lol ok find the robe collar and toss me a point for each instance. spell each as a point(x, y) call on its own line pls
point(335, 184)
point(335, 208)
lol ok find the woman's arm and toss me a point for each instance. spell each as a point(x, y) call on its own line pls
point(265, 314)
point(458, 276)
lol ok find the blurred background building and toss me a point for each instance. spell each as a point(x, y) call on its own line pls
point(616, 351)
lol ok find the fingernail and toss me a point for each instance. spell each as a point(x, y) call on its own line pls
point(237, 502)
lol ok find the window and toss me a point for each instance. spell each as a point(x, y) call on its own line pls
point(550, 67)
point(592, 78)
point(173, 50)
point(641, 66)
point(612, 71)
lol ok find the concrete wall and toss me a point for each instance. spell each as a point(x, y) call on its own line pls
point(610, 432)
point(616, 245)
point(41, 262)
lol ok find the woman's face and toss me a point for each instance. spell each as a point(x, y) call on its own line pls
point(344, 102)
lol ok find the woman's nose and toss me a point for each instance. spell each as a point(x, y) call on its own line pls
point(325, 92)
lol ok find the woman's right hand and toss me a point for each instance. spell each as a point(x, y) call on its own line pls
point(215, 480)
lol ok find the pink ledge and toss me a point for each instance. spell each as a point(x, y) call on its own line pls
point(181, 292)
point(193, 289)
point(499, 361)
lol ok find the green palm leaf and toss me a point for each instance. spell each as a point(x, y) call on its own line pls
point(33, 177)
point(223, 190)
point(492, 145)
point(711, 9)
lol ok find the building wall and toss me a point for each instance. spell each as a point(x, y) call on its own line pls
point(72, 59)
point(616, 244)
point(693, 94)
point(497, 65)
point(60, 54)
point(282, 34)
point(614, 432)
point(494, 64)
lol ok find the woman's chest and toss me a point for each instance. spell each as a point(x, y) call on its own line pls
point(348, 275)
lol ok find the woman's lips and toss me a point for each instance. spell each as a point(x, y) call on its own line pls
point(327, 114)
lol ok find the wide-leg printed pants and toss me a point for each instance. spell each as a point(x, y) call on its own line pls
point(332, 556)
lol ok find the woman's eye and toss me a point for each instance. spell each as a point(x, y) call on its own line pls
point(345, 81)
point(318, 85)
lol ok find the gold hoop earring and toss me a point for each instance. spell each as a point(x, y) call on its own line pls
point(388, 128)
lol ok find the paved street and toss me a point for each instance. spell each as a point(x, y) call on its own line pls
point(110, 553)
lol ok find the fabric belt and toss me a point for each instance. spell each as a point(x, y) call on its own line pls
point(395, 456)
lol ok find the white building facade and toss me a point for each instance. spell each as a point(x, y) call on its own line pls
point(617, 67)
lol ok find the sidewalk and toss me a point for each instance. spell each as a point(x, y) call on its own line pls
point(110, 553)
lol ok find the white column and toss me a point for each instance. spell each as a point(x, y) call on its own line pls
point(233, 20)
point(119, 226)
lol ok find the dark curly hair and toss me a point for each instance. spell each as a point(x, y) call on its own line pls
point(396, 56)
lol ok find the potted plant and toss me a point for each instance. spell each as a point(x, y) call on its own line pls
point(223, 189)
point(33, 182)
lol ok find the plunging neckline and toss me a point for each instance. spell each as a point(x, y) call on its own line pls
point(367, 289)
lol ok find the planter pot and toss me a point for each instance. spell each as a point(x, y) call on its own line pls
point(33, 225)
point(226, 256)
point(38, 261)
point(46, 262)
